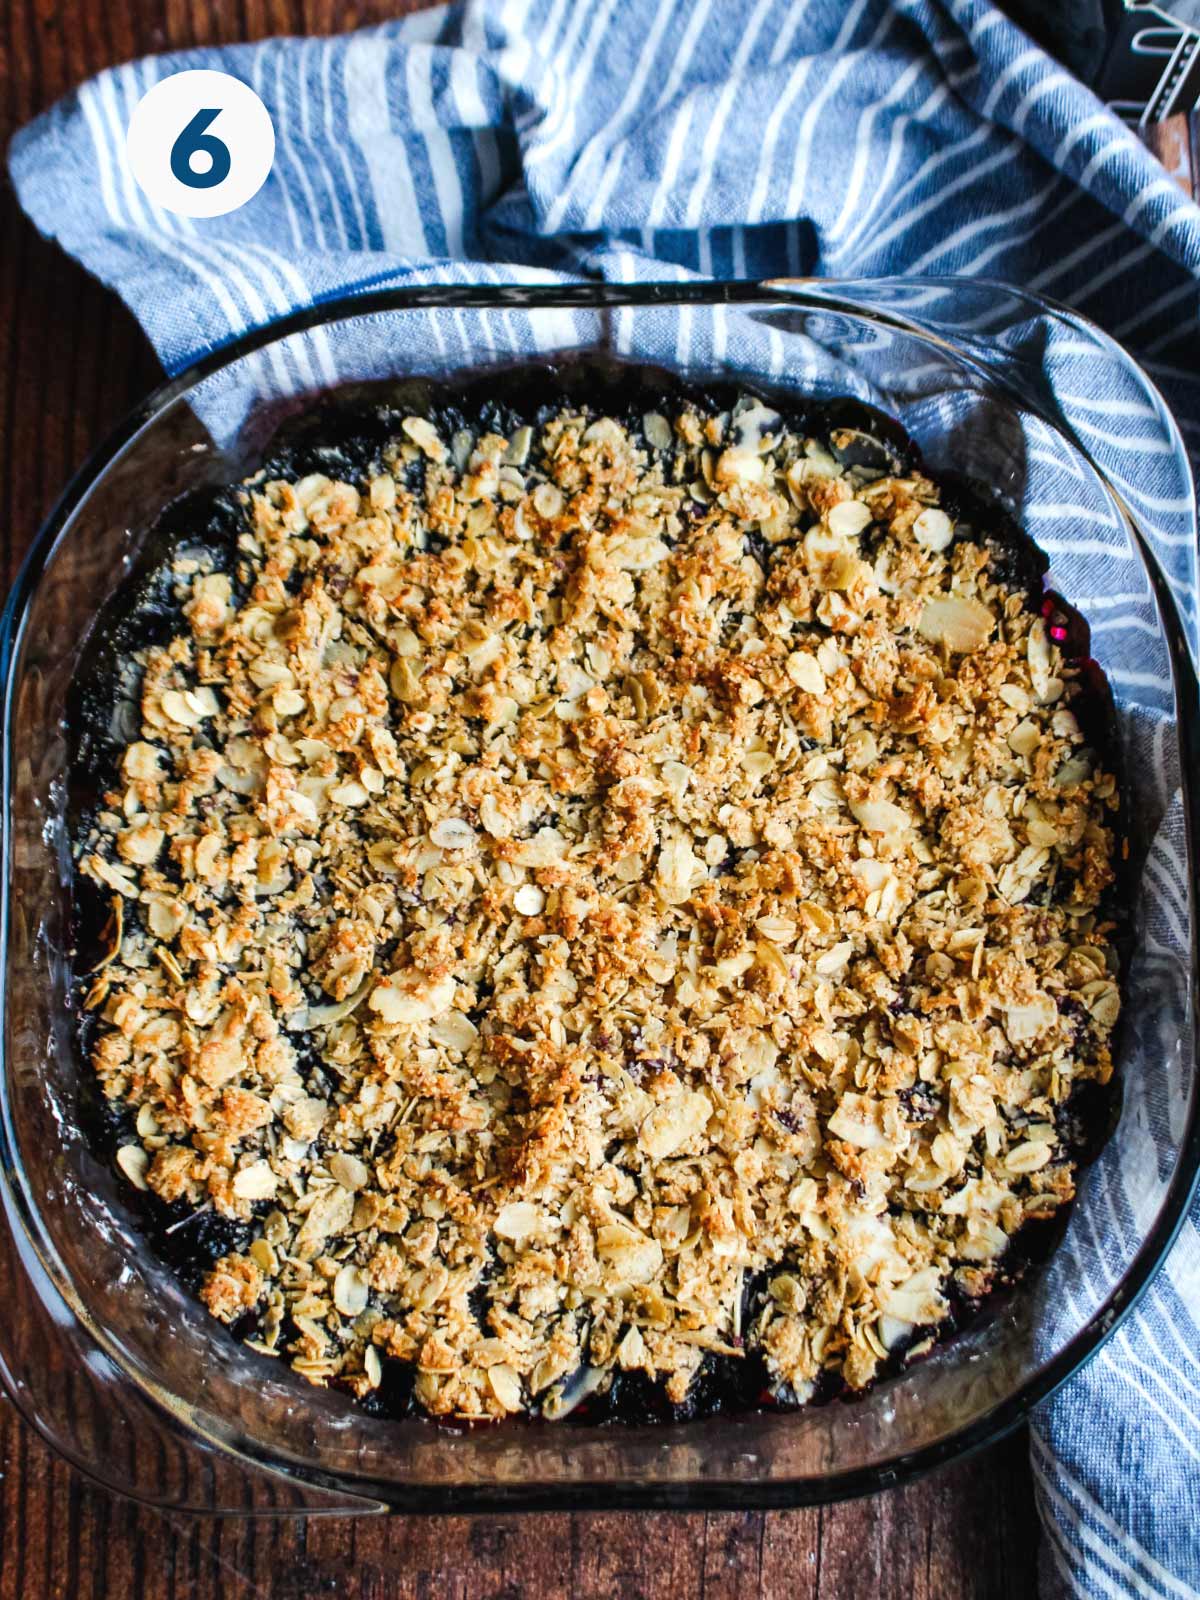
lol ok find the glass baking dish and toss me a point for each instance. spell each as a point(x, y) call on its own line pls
point(128, 1377)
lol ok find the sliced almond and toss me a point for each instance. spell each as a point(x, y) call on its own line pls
point(351, 1291)
point(1030, 1020)
point(933, 529)
point(425, 436)
point(134, 1162)
point(880, 816)
point(917, 1300)
point(631, 1256)
point(452, 833)
point(548, 501)
point(255, 1182)
point(958, 622)
point(141, 845)
point(805, 672)
point(349, 794)
point(455, 1031)
point(740, 466)
point(178, 708)
point(637, 554)
point(505, 1385)
point(411, 998)
point(657, 430)
point(858, 1121)
point(1025, 738)
point(673, 1123)
point(849, 518)
point(1030, 1156)
point(349, 1171)
point(529, 900)
point(518, 1220)
point(834, 960)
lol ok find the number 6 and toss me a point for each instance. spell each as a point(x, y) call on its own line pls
point(193, 139)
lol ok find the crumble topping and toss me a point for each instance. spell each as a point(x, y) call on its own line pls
point(599, 898)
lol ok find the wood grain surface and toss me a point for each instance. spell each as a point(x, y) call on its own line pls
point(72, 361)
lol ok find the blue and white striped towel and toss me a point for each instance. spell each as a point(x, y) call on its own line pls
point(505, 139)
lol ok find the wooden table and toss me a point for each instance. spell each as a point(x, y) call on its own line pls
point(71, 362)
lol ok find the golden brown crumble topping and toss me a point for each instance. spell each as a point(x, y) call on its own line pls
point(569, 877)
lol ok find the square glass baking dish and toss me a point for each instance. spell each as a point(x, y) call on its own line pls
point(128, 1377)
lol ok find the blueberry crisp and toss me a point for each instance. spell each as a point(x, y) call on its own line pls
point(603, 895)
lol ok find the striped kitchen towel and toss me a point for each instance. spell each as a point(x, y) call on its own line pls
point(504, 140)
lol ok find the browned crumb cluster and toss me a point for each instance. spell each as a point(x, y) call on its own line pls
point(622, 866)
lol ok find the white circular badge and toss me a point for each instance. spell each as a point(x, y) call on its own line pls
point(201, 143)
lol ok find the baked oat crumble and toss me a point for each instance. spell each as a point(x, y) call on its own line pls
point(571, 878)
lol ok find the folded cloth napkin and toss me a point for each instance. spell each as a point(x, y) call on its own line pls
point(502, 140)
